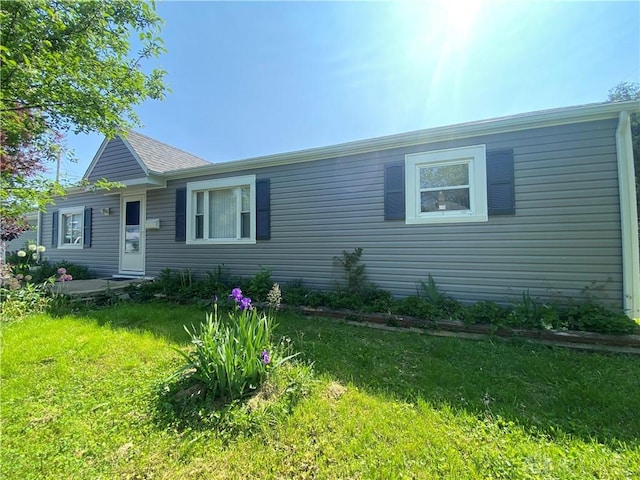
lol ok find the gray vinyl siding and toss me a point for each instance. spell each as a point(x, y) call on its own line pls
point(116, 163)
point(564, 236)
point(103, 256)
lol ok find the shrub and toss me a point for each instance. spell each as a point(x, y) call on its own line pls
point(233, 357)
point(377, 300)
point(316, 298)
point(179, 287)
point(295, 293)
point(597, 318)
point(218, 281)
point(47, 270)
point(260, 284)
point(344, 299)
point(416, 307)
point(486, 312)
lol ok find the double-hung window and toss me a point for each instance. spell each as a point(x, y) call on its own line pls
point(71, 227)
point(222, 210)
point(446, 186)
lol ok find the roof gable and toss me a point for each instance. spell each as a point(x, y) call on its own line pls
point(116, 162)
point(136, 156)
point(159, 157)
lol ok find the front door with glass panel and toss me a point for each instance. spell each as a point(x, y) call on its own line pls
point(132, 234)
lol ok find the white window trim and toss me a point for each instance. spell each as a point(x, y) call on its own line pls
point(192, 187)
point(476, 157)
point(70, 211)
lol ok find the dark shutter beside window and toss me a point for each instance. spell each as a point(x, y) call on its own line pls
point(181, 214)
point(54, 228)
point(394, 208)
point(501, 199)
point(86, 241)
point(263, 209)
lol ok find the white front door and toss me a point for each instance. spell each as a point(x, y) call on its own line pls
point(132, 234)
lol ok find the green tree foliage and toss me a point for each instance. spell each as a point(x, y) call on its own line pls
point(631, 91)
point(68, 66)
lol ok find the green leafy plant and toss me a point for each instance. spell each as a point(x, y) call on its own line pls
point(317, 298)
point(416, 307)
point(486, 312)
point(430, 291)
point(354, 274)
point(260, 284)
point(294, 292)
point(20, 296)
point(232, 358)
point(597, 318)
point(29, 298)
point(218, 280)
point(344, 299)
point(530, 314)
point(377, 300)
point(445, 307)
point(48, 269)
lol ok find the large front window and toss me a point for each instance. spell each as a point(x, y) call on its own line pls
point(446, 186)
point(71, 226)
point(222, 210)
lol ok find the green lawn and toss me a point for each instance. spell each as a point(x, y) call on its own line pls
point(80, 399)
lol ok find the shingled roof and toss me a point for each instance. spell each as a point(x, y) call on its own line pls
point(160, 157)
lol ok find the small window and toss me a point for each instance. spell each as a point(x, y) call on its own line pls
point(222, 210)
point(446, 186)
point(71, 228)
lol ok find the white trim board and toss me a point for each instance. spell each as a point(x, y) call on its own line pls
point(628, 218)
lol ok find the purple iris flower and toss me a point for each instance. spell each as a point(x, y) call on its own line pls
point(236, 294)
point(265, 357)
point(245, 304)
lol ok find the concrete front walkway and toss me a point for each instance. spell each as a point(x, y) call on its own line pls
point(87, 288)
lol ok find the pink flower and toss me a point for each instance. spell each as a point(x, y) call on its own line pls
point(62, 271)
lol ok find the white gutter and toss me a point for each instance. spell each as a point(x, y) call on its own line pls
point(628, 218)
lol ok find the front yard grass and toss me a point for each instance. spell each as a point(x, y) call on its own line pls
point(80, 399)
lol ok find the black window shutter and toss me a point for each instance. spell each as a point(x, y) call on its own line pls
point(86, 241)
point(263, 209)
point(54, 228)
point(181, 214)
point(501, 198)
point(394, 208)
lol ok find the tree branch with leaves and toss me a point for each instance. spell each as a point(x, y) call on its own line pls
point(68, 67)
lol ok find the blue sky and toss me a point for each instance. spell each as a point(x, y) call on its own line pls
point(256, 78)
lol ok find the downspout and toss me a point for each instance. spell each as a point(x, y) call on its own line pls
point(628, 218)
point(39, 228)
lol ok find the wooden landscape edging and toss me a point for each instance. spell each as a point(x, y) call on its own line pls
point(565, 338)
